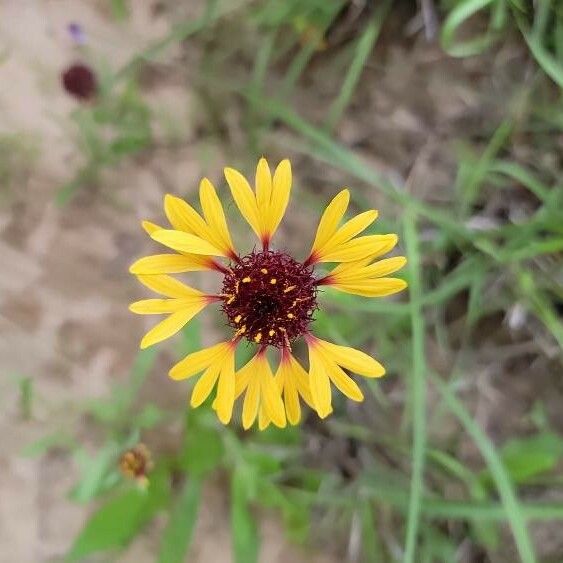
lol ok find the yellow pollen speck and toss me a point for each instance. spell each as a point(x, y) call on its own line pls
point(231, 299)
point(258, 337)
point(273, 281)
point(272, 332)
point(264, 271)
point(246, 280)
point(281, 328)
point(238, 318)
point(290, 288)
point(242, 329)
point(290, 315)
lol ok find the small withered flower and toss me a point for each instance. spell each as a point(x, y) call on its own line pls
point(136, 463)
point(80, 81)
point(267, 297)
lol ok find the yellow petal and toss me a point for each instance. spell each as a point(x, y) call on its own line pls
point(291, 400)
point(149, 227)
point(183, 217)
point(160, 306)
point(185, 242)
point(330, 219)
point(205, 385)
point(281, 190)
point(376, 270)
point(215, 217)
point(350, 358)
point(301, 380)
point(196, 362)
point(263, 187)
point(270, 397)
point(171, 264)
point(343, 382)
point(353, 250)
point(171, 325)
point(379, 287)
point(386, 244)
point(243, 376)
point(244, 198)
point(226, 387)
point(350, 229)
point(168, 286)
point(251, 402)
point(263, 418)
point(320, 383)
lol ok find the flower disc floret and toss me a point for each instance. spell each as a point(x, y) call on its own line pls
point(269, 298)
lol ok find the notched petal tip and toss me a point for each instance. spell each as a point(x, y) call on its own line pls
point(285, 166)
point(232, 172)
point(149, 227)
point(170, 198)
point(324, 413)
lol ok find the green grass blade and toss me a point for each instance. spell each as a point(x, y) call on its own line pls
point(514, 513)
point(243, 526)
point(462, 12)
point(178, 535)
point(438, 508)
point(418, 387)
point(480, 169)
point(551, 65)
point(364, 48)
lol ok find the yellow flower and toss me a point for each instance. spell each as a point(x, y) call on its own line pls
point(266, 296)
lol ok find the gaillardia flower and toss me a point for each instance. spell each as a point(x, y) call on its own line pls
point(267, 297)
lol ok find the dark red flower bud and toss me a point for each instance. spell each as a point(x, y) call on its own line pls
point(79, 80)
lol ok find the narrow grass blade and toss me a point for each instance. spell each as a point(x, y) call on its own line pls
point(499, 474)
point(363, 49)
point(178, 535)
point(417, 387)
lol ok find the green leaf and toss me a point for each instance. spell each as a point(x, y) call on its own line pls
point(296, 514)
point(95, 471)
point(525, 458)
point(112, 526)
point(202, 450)
point(150, 416)
point(55, 440)
point(178, 535)
point(116, 522)
point(243, 526)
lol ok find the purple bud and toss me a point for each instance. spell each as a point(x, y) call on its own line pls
point(77, 33)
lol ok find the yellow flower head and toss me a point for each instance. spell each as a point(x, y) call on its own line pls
point(267, 297)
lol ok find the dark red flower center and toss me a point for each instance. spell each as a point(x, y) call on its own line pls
point(79, 80)
point(269, 298)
